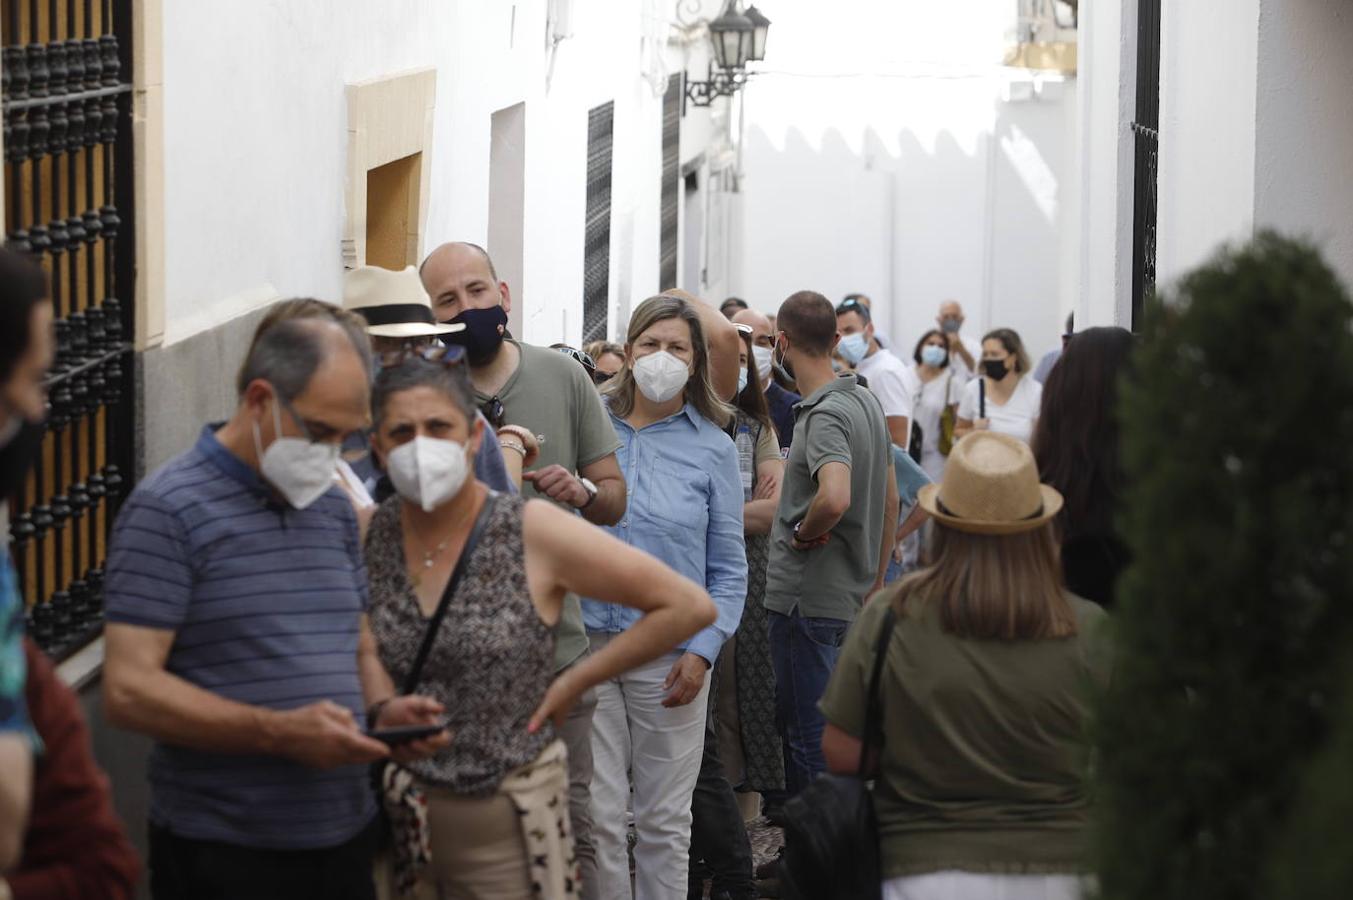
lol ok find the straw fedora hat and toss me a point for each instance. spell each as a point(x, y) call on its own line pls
point(394, 304)
point(991, 487)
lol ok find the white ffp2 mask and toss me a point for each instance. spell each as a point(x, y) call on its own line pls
point(428, 471)
point(660, 376)
point(301, 471)
point(763, 355)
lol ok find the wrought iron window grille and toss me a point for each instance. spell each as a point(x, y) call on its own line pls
point(66, 108)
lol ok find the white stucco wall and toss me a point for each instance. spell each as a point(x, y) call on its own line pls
point(255, 142)
point(1303, 175)
point(1207, 146)
point(1106, 80)
point(900, 161)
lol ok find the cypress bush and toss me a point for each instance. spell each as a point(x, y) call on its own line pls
point(1238, 448)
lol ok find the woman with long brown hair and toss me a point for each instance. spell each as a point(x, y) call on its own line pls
point(979, 781)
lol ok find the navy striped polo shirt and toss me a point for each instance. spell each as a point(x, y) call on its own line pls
point(265, 603)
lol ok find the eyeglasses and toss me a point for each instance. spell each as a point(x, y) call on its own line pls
point(600, 377)
point(578, 356)
point(439, 354)
point(743, 329)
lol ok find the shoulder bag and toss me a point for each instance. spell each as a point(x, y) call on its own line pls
point(404, 808)
point(831, 832)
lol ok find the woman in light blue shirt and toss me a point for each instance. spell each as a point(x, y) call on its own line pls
point(685, 508)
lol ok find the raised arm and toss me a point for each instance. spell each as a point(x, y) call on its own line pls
point(564, 553)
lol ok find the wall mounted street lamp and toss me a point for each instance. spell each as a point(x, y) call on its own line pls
point(738, 37)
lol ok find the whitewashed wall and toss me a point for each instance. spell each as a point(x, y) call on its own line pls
point(255, 121)
point(1303, 180)
point(1106, 80)
point(1207, 121)
point(899, 160)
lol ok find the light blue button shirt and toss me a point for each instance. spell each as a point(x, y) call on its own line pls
point(685, 508)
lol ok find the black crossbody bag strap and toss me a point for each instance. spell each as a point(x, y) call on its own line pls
point(480, 522)
point(873, 711)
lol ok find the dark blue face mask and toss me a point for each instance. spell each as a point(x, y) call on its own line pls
point(483, 334)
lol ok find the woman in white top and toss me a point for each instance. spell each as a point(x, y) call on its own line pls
point(941, 389)
point(1012, 394)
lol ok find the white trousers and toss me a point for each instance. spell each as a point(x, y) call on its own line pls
point(974, 886)
point(632, 732)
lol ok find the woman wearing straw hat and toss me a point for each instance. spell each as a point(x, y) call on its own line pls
point(982, 699)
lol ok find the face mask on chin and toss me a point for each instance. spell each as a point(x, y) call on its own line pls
point(484, 332)
point(428, 472)
point(301, 471)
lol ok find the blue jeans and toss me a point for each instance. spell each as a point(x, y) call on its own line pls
point(803, 652)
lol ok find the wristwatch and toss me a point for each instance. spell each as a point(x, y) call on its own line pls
point(591, 492)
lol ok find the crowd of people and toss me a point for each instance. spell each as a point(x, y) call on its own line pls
point(437, 612)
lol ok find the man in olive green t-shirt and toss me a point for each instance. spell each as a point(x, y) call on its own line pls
point(551, 394)
point(833, 529)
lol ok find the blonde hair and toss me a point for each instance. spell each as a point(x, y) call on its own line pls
point(993, 587)
point(598, 349)
point(699, 390)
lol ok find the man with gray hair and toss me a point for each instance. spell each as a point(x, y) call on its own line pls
point(237, 637)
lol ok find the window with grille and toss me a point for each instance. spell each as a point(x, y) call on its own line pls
point(671, 184)
point(597, 229)
point(1146, 152)
point(68, 176)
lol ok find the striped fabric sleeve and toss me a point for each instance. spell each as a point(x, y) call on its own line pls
point(149, 576)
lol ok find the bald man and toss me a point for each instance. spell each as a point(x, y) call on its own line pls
point(547, 392)
point(780, 401)
point(964, 350)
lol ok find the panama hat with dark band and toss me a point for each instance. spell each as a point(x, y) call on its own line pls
point(991, 486)
point(394, 304)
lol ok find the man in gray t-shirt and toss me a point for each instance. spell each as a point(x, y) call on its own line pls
point(550, 394)
point(833, 529)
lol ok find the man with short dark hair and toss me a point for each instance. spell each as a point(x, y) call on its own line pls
point(546, 391)
point(833, 530)
point(896, 385)
point(732, 306)
point(237, 638)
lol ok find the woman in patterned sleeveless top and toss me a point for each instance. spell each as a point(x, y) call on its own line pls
point(496, 796)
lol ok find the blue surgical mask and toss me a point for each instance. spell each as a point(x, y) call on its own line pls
point(853, 347)
point(933, 355)
point(742, 380)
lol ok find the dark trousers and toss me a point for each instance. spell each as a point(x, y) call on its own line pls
point(186, 869)
point(803, 651)
point(719, 845)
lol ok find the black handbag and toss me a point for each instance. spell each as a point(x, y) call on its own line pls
point(831, 832)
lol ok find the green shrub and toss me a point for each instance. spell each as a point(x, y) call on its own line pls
point(1238, 446)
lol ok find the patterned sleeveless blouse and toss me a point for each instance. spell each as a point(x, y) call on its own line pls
point(493, 657)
